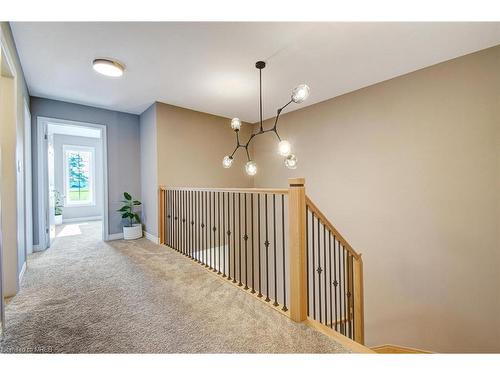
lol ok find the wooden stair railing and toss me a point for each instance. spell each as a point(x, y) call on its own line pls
point(272, 243)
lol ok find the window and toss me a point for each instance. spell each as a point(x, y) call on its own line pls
point(79, 175)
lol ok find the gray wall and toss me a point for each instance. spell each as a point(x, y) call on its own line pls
point(60, 141)
point(123, 150)
point(149, 168)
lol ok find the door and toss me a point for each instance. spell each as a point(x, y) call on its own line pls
point(51, 219)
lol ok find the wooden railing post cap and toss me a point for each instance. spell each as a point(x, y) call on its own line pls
point(297, 181)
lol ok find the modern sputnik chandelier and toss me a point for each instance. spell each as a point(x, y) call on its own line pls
point(299, 94)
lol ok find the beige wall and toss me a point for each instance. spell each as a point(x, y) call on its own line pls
point(409, 171)
point(190, 147)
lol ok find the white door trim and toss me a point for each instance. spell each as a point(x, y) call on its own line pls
point(42, 175)
point(28, 181)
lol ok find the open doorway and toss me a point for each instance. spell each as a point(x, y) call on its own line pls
point(74, 180)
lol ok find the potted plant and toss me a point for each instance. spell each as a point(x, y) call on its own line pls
point(58, 207)
point(134, 229)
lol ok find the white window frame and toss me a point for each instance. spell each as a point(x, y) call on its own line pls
point(91, 201)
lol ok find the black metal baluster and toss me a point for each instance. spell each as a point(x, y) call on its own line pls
point(245, 237)
point(345, 288)
point(174, 219)
point(207, 232)
point(266, 244)
point(253, 256)
point(190, 223)
point(167, 222)
point(319, 270)
point(274, 250)
point(258, 242)
point(214, 229)
point(196, 226)
point(240, 278)
point(183, 220)
point(211, 230)
point(223, 231)
point(188, 237)
point(186, 222)
point(218, 233)
point(200, 229)
point(349, 286)
point(307, 258)
point(335, 281)
point(205, 226)
point(179, 221)
point(341, 284)
point(234, 238)
point(353, 321)
point(193, 238)
point(325, 269)
point(313, 265)
point(284, 308)
point(330, 281)
point(171, 226)
point(228, 237)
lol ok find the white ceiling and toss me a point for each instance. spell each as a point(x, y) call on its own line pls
point(209, 67)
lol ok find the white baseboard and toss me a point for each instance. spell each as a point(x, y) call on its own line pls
point(37, 248)
point(21, 274)
point(151, 237)
point(115, 236)
point(79, 219)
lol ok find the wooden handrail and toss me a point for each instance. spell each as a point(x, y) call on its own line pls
point(313, 208)
point(236, 190)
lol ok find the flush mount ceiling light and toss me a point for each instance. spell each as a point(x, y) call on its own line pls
point(107, 67)
point(299, 94)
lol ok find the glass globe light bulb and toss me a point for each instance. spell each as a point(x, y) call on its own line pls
point(227, 162)
point(284, 148)
point(291, 161)
point(300, 93)
point(236, 124)
point(251, 168)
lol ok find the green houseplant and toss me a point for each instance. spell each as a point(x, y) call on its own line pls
point(134, 229)
point(58, 207)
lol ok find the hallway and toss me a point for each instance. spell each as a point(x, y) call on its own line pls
point(84, 295)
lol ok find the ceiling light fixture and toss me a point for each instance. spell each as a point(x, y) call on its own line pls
point(299, 94)
point(110, 68)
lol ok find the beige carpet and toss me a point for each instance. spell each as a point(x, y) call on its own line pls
point(87, 296)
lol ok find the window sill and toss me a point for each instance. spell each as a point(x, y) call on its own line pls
point(71, 205)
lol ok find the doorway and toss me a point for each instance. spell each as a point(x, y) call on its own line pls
point(73, 188)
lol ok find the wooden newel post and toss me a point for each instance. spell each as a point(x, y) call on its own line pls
point(161, 214)
point(359, 313)
point(297, 244)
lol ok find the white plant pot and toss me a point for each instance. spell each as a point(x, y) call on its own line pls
point(133, 232)
point(58, 220)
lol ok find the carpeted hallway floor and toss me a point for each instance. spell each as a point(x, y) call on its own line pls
point(87, 296)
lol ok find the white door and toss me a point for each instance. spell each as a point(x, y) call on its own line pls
point(51, 213)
